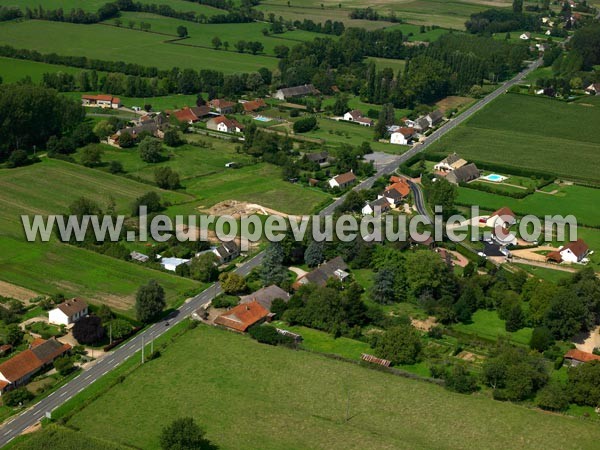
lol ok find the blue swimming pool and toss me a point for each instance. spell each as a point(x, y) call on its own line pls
point(262, 119)
point(494, 177)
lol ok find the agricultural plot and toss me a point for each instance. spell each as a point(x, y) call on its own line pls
point(48, 188)
point(394, 412)
point(124, 44)
point(13, 70)
point(548, 137)
point(201, 35)
point(93, 5)
point(448, 14)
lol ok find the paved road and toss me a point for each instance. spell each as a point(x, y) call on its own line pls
point(437, 134)
point(29, 417)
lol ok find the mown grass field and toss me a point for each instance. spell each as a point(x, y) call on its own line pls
point(124, 44)
point(93, 5)
point(533, 133)
point(488, 325)
point(572, 199)
point(48, 188)
point(202, 34)
point(299, 400)
point(13, 70)
point(448, 14)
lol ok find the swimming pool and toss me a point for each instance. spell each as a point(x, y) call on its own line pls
point(494, 177)
point(262, 119)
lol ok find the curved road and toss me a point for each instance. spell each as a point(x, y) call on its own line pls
point(15, 426)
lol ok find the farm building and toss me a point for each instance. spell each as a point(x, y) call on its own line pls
point(421, 124)
point(575, 357)
point(253, 105)
point(171, 264)
point(68, 312)
point(150, 128)
point(201, 111)
point(334, 268)
point(101, 101)
point(296, 91)
point(224, 125)
point(402, 136)
point(226, 252)
point(243, 316)
point(450, 163)
point(265, 296)
point(573, 252)
point(19, 369)
point(222, 106)
point(593, 89)
point(318, 157)
point(503, 217)
point(342, 181)
point(376, 207)
point(357, 116)
point(464, 174)
point(185, 115)
point(434, 117)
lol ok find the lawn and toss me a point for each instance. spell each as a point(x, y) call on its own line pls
point(13, 70)
point(173, 101)
point(550, 136)
point(299, 400)
point(544, 273)
point(259, 183)
point(571, 199)
point(124, 44)
point(487, 325)
point(48, 188)
point(397, 65)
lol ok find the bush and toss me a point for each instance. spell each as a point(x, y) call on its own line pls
point(151, 150)
point(305, 124)
point(267, 334)
point(541, 339)
point(64, 365)
point(17, 396)
point(18, 158)
point(115, 167)
point(553, 397)
point(225, 301)
point(459, 379)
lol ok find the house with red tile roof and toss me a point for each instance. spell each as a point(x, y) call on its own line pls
point(575, 357)
point(185, 115)
point(243, 316)
point(101, 101)
point(253, 105)
point(221, 105)
point(224, 125)
point(19, 369)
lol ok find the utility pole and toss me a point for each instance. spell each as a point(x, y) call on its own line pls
point(142, 349)
point(152, 346)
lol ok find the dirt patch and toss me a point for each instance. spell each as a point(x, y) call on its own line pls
point(195, 233)
point(452, 102)
point(17, 292)
point(590, 341)
point(533, 254)
point(424, 325)
point(468, 356)
point(238, 209)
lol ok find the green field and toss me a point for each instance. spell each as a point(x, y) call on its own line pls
point(93, 5)
point(299, 400)
point(444, 13)
point(488, 325)
point(48, 188)
point(531, 132)
point(566, 200)
point(201, 35)
point(123, 44)
point(12, 70)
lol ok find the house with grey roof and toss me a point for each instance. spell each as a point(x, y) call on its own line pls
point(296, 91)
point(266, 295)
point(464, 174)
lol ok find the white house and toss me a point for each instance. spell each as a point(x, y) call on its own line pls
point(503, 217)
point(450, 163)
point(525, 36)
point(224, 125)
point(172, 263)
point(356, 116)
point(343, 180)
point(376, 207)
point(573, 252)
point(402, 136)
point(593, 89)
point(434, 117)
point(68, 312)
point(101, 101)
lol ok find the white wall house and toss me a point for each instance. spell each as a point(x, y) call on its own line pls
point(68, 312)
point(402, 136)
point(172, 263)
